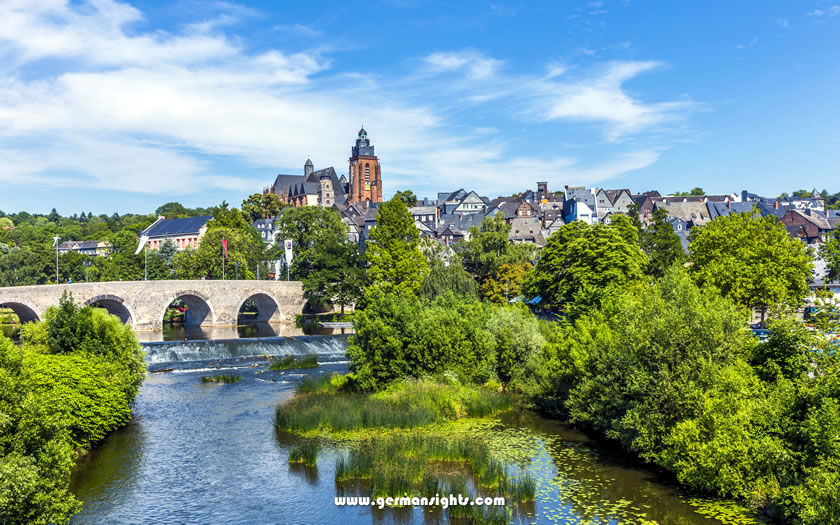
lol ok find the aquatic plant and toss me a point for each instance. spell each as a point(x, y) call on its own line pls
point(305, 453)
point(322, 406)
point(288, 362)
point(221, 378)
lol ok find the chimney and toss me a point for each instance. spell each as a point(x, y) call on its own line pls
point(728, 204)
point(776, 204)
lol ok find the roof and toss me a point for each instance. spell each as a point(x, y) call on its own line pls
point(174, 227)
point(526, 229)
point(423, 210)
point(695, 212)
point(78, 245)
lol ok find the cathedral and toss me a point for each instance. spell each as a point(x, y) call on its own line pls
point(365, 175)
point(325, 188)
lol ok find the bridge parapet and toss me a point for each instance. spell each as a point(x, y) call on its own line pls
point(143, 303)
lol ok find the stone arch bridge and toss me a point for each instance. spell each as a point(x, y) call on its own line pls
point(142, 304)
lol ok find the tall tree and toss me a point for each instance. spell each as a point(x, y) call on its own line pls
point(489, 247)
point(752, 261)
point(336, 273)
point(306, 227)
point(661, 244)
point(397, 266)
point(408, 197)
point(262, 206)
point(830, 253)
point(582, 264)
point(506, 283)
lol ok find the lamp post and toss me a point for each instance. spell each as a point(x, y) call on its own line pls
point(87, 269)
point(55, 243)
point(236, 265)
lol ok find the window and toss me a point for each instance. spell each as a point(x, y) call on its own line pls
point(367, 173)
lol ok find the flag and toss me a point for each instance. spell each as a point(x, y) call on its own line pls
point(55, 241)
point(143, 240)
point(224, 246)
point(289, 253)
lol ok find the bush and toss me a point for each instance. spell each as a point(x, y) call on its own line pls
point(400, 337)
point(70, 383)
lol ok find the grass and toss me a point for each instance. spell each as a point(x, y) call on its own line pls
point(305, 453)
point(426, 465)
point(321, 406)
point(222, 378)
point(288, 362)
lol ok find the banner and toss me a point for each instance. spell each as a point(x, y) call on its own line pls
point(224, 246)
point(289, 254)
point(143, 240)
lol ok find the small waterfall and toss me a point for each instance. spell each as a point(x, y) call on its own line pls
point(331, 346)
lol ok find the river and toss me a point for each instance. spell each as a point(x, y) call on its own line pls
point(207, 453)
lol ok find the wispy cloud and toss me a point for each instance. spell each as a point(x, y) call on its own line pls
point(753, 41)
point(475, 64)
point(833, 10)
point(89, 99)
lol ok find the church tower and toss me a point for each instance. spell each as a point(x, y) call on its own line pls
point(365, 175)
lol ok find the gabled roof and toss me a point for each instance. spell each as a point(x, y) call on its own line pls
point(526, 229)
point(175, 227)
point(695, 212)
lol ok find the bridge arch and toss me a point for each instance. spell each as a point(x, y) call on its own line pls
point(268, 310)
point(199, 308)
point(25, 313)
point(115, 305)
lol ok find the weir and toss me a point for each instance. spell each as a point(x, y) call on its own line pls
point(181, 351)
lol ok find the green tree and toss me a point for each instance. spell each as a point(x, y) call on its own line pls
point(397, 266)
point(661, 244)
point(262, 206)
point(243, 248)
point(448, 278)
point(397, 337)
point(172, 210)
point(830, 253)
point(408, 197)
point(307, 227)
point(752, 261)
point(506, 283)
point(697, 191)
point(582, 264)
point(489, 247)
point(517, 339)
point(335, 274)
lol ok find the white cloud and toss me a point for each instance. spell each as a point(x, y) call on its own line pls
point(474, 64)
point(833, 10)
point(152, 112)
point(600, 98)
point(748, 45)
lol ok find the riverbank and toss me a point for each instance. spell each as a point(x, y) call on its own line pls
point(421, 437)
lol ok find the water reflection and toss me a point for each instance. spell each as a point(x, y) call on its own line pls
point(180, 332)
point(12, 331)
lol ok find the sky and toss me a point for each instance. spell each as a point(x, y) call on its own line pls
point(120, 106)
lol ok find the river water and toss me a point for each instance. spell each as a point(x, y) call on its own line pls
point(207, 453)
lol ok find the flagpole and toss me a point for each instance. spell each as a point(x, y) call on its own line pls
point(223, 259)
point(145, 263)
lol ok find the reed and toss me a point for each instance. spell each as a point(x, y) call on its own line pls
point(221, 378)
point(305, 453)
point(287, 362)
point(323, 405)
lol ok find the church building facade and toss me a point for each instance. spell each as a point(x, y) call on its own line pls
point(365, 173)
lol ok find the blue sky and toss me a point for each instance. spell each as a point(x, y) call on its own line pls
point(110, 105)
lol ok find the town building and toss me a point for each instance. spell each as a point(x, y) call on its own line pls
point(184, 233)
point(91, 248)
point(313, 188)
point(365, 173)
